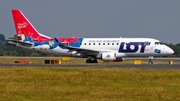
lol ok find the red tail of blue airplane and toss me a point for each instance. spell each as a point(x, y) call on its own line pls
point(25, 30)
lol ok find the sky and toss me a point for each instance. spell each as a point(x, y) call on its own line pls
point(159, 19)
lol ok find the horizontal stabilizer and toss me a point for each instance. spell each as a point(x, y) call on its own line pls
point(15, 42)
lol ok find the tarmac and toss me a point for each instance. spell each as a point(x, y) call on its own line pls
point(123, 66)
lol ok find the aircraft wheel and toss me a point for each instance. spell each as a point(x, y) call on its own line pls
point(91, 61)
point(150, 62)
point(94, 61)
point(88, 61)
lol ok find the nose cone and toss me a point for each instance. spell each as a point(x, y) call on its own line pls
point(170, 51)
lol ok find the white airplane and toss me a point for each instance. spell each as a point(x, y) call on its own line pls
point(106, 49)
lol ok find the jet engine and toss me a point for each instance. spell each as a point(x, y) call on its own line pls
point(111, 57)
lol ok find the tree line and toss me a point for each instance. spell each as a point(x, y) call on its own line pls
point(9, 50)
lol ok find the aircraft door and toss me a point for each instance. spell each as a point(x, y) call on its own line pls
point(147, 46)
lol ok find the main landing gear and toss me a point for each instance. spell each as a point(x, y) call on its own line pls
point(90, 60)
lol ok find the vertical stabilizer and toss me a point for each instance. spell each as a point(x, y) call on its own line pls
point(25, 30)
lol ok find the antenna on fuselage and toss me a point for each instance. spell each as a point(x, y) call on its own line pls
point(82, 35)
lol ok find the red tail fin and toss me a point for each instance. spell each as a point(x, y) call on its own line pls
point(25, 28)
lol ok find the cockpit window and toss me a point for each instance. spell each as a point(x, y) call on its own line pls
point(159, 43)
point(156, 43)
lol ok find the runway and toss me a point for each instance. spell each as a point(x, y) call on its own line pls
point(176, 64)
point(122, 66)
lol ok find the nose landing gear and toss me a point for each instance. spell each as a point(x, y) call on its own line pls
point(150, 61)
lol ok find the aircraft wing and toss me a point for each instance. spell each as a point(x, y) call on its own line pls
point(82, 50)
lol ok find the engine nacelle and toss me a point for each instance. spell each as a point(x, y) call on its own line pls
point(108, 56)
point(111, 57)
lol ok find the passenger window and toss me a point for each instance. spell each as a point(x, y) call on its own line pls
point(107, 43)
point(112, 43)
point(99, 43)
point(84, 43)
point(93, 43)
point(117, 43)
point(103, 43)
point(89, 43)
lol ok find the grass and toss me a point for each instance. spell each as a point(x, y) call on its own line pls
point(88, 84)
